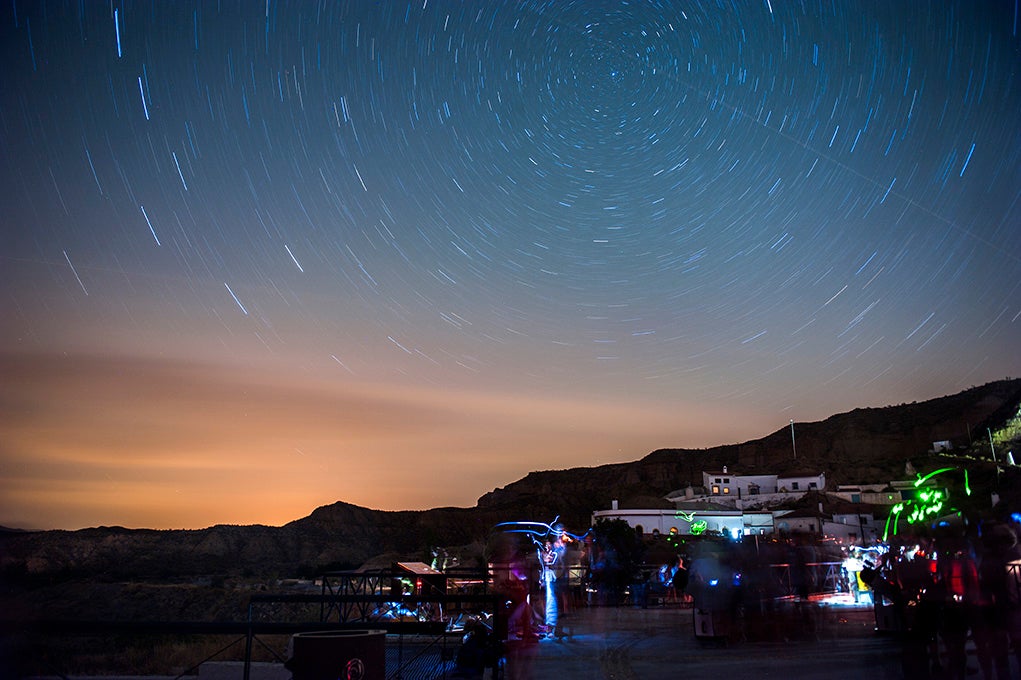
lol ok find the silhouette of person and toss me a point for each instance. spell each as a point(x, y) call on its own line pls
point(679, 582)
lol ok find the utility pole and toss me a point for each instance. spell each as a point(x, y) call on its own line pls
point(794, 445)
point(992, 449)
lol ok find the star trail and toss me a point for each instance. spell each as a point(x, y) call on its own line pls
point(259, 257)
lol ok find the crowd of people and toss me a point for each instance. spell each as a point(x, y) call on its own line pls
point(943, 594)
point(939, 592)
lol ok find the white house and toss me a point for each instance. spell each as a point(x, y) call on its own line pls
point(853, 527)
point(741, 505)
point(799, 521)
point(722, 483)
point(849, 527)
point(874, 494)
point(801, 481)
point(728, 485)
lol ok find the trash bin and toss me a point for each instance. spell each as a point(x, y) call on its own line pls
point(338, 655)
point(710, 623)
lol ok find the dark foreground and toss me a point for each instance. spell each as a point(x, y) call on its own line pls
point(818, 640)
point(624, 643)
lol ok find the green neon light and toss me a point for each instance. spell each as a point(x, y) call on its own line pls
point(886, 529)
point(922, 480)
point(894, 517)
point(698, 527)
point(928, 504)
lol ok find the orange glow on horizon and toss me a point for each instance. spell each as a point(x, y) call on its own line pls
point(163, 444)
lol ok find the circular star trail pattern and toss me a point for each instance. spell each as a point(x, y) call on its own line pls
point(781, 205)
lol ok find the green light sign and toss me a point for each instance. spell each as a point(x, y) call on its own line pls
point(928, 504)
point(698, 527)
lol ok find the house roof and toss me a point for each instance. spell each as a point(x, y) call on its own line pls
point(831, 504)
point(806, 512)
point(679, 493)
point(704, 505)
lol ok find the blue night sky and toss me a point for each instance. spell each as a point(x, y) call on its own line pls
point(257, 257)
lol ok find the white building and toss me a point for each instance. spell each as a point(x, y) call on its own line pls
point(799, 521)
point(874, 494)
point(722, 483)
point(802, 481)
point(728, 485)
point(742, 505)
point(853, 527)
point(713, 520)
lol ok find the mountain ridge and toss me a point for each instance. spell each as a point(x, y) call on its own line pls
point(863, 445)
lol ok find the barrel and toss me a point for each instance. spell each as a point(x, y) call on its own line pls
point(338, 655)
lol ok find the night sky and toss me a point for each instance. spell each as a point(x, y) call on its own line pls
point(257, 257)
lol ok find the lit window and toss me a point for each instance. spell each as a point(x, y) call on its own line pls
point(716, 489)
point(726, 489)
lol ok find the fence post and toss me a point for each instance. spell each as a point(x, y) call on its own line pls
point(248, 646)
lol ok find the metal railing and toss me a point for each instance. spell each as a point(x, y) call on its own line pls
point(812, 578)
point(428, 608)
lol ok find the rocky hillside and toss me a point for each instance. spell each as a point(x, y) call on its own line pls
point(338, 536)
point(864, 445)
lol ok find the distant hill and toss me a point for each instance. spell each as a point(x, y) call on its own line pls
point(864, 445)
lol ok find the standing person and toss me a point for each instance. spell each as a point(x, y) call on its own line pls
point(551, 557)
point(923, 596)
point(990, 628)
point(712, 581)
point(959, 575)
point(679, 582)
point(853, 565)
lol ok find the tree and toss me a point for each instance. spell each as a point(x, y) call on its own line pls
point(618, 554)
